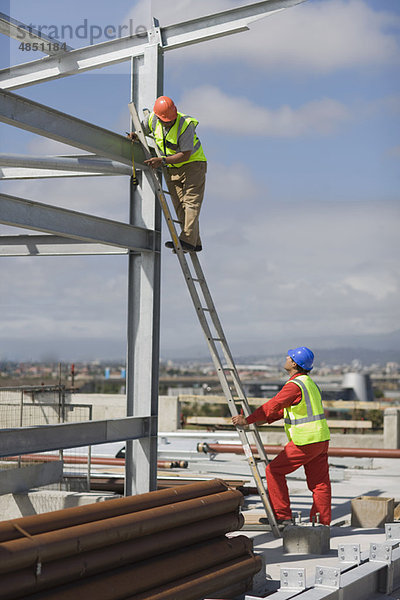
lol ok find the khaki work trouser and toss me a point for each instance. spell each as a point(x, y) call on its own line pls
point(186, 184)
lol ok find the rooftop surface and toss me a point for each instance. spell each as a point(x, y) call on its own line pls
point(350, 477)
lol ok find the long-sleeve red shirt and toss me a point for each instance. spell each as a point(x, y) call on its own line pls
point(273, 409)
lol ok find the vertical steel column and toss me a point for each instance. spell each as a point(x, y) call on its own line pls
point(144, 292)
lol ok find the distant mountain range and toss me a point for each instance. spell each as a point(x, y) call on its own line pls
point(332, 350)
point(368, 349)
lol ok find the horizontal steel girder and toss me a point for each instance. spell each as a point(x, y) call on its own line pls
point(48, 122)
point(19, 31)
point(75, 61)
point(25, 440)
point(220, 24)
point(17, 173)
point(85, 164)
point(28, 214)
point(121, 49)
point(52, 245)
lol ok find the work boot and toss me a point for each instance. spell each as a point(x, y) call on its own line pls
point(185, 246)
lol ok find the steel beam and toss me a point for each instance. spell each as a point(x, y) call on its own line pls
point(75, 61)
point(52, 245)
point(18, 212)
point(21, 32)
point(19, 173)
point(220, 24)
point(143, 295)
point(27, 166)
point(17, 481)
point(25, 440)
point(48, 122)
point(121, 49)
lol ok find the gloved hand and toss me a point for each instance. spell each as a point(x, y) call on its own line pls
point(132, 136)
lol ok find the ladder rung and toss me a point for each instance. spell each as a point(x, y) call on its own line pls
point(166, 192)
point(198, 281)
point(176, 221)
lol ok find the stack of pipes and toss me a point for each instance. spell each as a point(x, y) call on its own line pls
point(164, 545)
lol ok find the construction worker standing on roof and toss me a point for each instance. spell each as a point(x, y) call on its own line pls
point(299, 403)
point(175, 135)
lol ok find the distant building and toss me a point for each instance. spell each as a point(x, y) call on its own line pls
point(354, 386)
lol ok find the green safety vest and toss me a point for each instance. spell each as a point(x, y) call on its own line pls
point(168, 143)
point(305, 422)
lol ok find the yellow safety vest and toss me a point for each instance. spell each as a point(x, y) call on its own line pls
point(168, 143)
point(305, 422)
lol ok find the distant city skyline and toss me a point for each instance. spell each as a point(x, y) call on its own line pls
point(299, 119)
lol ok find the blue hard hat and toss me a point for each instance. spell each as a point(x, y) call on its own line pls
point(303, 357)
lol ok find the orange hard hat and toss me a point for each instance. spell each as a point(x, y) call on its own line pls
point(165, 109)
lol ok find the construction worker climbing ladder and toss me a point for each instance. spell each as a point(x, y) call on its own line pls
point(299, 403)
point(215, 337)
point(185, 175)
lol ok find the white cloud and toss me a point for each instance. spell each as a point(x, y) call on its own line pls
point(44, 146)
point(67, 298)
point(287, 270)
point(232, 182)
point(321, 268)
point(241, 116)
point(379, 285)
point(320, 36)
point(275, 270)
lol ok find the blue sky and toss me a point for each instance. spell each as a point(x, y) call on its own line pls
point(299, 119)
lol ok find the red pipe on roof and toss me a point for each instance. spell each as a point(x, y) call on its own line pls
point(344, 452)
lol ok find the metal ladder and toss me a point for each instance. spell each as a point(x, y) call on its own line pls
point(228, 375)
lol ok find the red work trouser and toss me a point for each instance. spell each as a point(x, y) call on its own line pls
point(314, 458)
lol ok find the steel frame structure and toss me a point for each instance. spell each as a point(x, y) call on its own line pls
point(87, 234)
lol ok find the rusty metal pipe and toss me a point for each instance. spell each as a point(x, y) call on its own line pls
point(206, 582)
point(137, 578)
point(24, 552)
point(344, 452)
point(82, 460)
point(19, 584)
point(70, 517)
point(79, 460)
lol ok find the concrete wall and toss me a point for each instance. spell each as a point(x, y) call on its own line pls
point(391, 427)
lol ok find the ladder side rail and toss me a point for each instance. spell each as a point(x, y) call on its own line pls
point(235, 376)
point(205, 326)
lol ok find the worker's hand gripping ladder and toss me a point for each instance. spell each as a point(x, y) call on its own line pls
point(228, 375)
